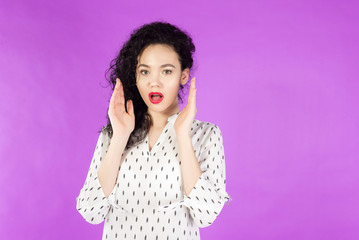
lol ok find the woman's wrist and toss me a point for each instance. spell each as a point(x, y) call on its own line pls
point(120, 136)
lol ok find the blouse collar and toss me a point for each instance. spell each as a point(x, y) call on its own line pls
point(173, 117)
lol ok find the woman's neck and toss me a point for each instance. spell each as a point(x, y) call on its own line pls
point(159, 119)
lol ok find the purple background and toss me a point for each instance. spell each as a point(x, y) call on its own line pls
point(280, 79)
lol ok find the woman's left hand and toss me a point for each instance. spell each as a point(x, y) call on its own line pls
point(185, 119)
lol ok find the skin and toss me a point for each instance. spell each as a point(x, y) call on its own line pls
point(153, 78)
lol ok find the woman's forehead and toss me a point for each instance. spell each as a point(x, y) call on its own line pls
point(157, 56)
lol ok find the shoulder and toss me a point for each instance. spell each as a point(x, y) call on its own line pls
point(104, 138)
point(206, 139)
point(198, 124)
point(205, 129)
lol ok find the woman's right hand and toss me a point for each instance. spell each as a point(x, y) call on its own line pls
point(123, 123)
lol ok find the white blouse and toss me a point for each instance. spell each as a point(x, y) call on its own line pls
point(148, 201)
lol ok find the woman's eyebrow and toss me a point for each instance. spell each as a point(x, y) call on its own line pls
point(162, 66)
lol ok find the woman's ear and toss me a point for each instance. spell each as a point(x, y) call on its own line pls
point(184, 76)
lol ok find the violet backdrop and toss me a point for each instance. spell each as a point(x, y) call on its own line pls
point(280, 79)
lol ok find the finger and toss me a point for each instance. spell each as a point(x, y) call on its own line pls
point(120, 97)
point(192, 92)
point(130, 107)
point(113, 95)
point(132, 111)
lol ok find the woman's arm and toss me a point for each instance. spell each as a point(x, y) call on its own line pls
point(109, 168)
point(92, 202)
point(204, 179)
point(189, 164)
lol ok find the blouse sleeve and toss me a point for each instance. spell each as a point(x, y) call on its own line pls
point(92, 202)
point(209, 195)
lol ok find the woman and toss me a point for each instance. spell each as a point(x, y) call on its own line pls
point(157, 172)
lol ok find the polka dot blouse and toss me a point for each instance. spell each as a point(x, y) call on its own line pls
point(148, 200)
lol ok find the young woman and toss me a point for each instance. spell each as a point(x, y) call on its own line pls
point(157, 172)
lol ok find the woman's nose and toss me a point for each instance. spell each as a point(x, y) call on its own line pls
point(155, 79)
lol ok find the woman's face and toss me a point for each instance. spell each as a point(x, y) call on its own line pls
point(159, 71)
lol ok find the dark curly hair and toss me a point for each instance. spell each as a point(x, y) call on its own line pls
point(124, 65)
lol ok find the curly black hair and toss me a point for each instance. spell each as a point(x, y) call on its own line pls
point(124, 65)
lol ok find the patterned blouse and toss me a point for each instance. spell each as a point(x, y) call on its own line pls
point(148, 201)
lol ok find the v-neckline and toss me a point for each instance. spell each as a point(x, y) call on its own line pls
point(157, 141)
point(174, 116)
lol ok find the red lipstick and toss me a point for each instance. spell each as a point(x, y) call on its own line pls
point(155, 97)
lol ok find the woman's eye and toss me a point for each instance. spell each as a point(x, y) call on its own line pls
point(168, 71)
point(143, 71)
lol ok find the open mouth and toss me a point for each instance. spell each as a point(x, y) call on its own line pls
point(155, 97)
